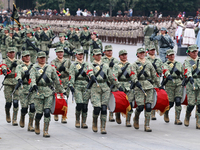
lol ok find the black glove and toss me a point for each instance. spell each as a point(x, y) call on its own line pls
point(14, 64)
point(20, 81)
point(93, 78)
point(65, 93)
point(138, 84)
point(86, 51)
point(121, 89)
point(62, 68)
point(151, 39)
point(111, 64)
point(49, 45)
point(23, 48)
point(169, 77)
point(4, 72)
point(102, 54)
point(82, 43)
point(161, 88)
point(191, 80)
point(35, 88)
point(37, 49)
point(171, 46)
point(72, 89)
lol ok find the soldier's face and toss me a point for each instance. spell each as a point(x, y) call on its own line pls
point(62, 38)
point(123, 57)
point(79, 57)
point(11, 55)
point(41, 60)
point(171, 57)
point(141, 55)
point(108, 53)
point(163, 31)
point(193, 54)
point(28, 34)
point(6, 31)
point(152, 52)
point(93, 36)
point(60, 54)
point(16, 29)
point(26, 58)
point(97, 57)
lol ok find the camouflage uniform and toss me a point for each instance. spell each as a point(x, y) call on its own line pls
point(79, 82)
point(100, 94)
point(19, 42)
point(23, 73)
point(44, 98)
point(192, 67)
point(95, 45)
point(3, 44)
point(175, 70)
point(144, 80)
point(9, 85)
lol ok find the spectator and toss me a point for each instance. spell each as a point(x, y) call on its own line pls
point(102, 15)
point(156, 14)
point(151, 14)
point(197, 13)
point(160, 15)
point(119, 13)
point(183, 15)
point(180, 15)
point(84, 13)
point(78, 12)
point(130, 12)
point(95, 13)
point(107, 15)
point(5, 19)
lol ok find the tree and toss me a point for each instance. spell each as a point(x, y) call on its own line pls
point(130, 3)
point(112, 4)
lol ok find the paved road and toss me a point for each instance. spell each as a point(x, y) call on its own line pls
point(165, 136)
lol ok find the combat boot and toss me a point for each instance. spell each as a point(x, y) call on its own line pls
point(111, 119)
point(64, 119)
point(14, 119)
point(197, 121)
point(22, 120)
point(77, 124)
point(146, 122)
point(30, 125)
point(94, 124)
point(166, 116)
point(7, 110)
point(83, 121)
point(128, 118)
point(45, 130)
point(56, 117)
point(177, 115)
point(153, 117)
point(103, 127)
point(187, 118)
point(136, 120)
point(37, 126)
point(118, 118)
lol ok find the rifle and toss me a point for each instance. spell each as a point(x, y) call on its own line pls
point(30, 91)
point(32, 45)
point(53, 37)
point(166, 42)
point(16, 87)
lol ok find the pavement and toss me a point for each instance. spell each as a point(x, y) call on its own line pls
point(164, 136)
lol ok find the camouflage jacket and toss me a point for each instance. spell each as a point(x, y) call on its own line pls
point(3, 42)
point(85, 37)
point(145, 80)
point(44, 84)
point(10, 79)
point(95, 45)
point(12, 41)
point(19, 41)
point(106, 60)
point(76, 37)
point(33, 40)
point(70, 35)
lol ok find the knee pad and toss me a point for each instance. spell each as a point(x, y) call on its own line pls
point(97, 110)
point(177, 101)
point(38, 116)
point(47, 112)
point(148, 107)
point(103, 109)
point(79, 106)
point(140, 108)
point(190, 108)
point(15, 103)
point(8, 105)
point(24, 110)
point(171, 104)
point(85, 108)
point(32, 108)
point(198, 108)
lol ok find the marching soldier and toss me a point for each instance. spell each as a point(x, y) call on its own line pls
point(3, 44)
point(95, 44)
point(157, 64)
point(192, 74)
point(70, 33)
point(62, 66)
point(78, 81)
point(23, 73)
point(173, 71)
point(19, 42)
point(110, 61)
point(8, 68)
point(76, 40)
point(42, 77)
point(100, 92)
point(144, 73)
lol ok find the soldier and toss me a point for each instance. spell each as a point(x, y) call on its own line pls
point(42, 77)
point(122, 71)
point(67, 46)
point(165, 43)
point(85, 38)
point(173, 71)
point(62, 66)
point(191, 72)
point(76, 40)
point(100, 73)
point(78, 81)
point(9, 65)
point(70, 33)
point(23, 73)
point(19, 42)
point(157, 64)
point(144, 72)
point(110, 61)
point(3, 44)
point(95, 44)
point(31, 44)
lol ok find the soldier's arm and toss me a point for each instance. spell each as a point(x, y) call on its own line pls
point(154, 76)
point(90, 71)
point(187, 69)
point(67, 66)
point(8, 41)
point(71, 75)
point(112, 78)
point(56, 80)
point(159, 67)
point(166, 70)
point(4, 67)
point(33, 77)
point(18, 72)
point(158, 37)
point(101, 47)
point(134, 69)
point(55, 45)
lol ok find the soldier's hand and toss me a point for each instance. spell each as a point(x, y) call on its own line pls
point(62, 68)
point(93, 78)
point(102, 54)
point(138, 84)
point(72, 89)
point(161, 88)
point(169, 77)
point(4, 72)
point(49, 45)
point(121, 89)
point(23, 48)
point(191, 80)
point(171, 46)
point(151, 39)
point(86, 51)
point(20, 81)
point(111, 64)
point(14, 64)
point(35, 88)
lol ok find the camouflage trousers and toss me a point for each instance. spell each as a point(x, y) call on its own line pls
point(81, 96)
point(147, 42)
point(173, 91)
point(33, 55)
point(86, 47)
point(156, 45)
point(8, 89)
point(193, 96)
point(67, 56)
point(41, 104)
point(77, 45)
point(162, 54)
point(18, 53)
point(141, 99)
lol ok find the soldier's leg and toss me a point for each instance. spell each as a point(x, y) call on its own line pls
point(156, 46)
point(47, 55)
point(15, 106)
point(24, 109)
point(86, 98)
point(31, 117)
point(91, 58)
point(87, 48)
point(130, 99)
point(177, 100)
point(8, 89)
point(16, 53)
point(162, 55)
point(198, 109)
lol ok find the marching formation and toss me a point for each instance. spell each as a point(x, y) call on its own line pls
point(39, 85)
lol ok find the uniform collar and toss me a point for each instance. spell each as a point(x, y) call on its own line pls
point(97, 62)
point(152, 56)
point(60, 60)
point(11, 59)
point(123, 62)
point(142, 60)
point(79, 61)
point(27, 64)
